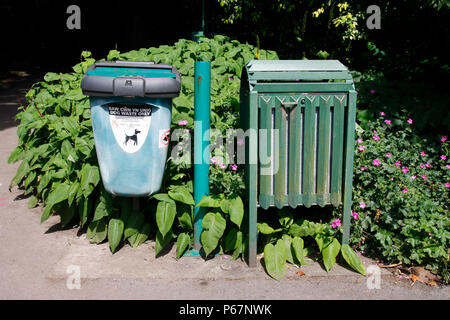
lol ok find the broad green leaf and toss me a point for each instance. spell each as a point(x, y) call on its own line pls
point(214, 226)
point(297, 246)
point(287, 240)
point(329, 253)
point(82, 146)
point(140, 237)
point(163, 197)
point(47, 212)
point(67, 151)
point(134, 224)
point(165, 214)
point(352, 259)
point(84, 209)
point(230, 240)
point(181, 194)
point(73, 192)
point(286, 219)
point(264, 228)
point(162, 241)
point(184, 215)
point(71, 125)
point(60, 193)
point(303, 228)
point(67, 213)
point(15, 155)
point(51, 76)
point(101, 210)
point(30, 178)
point(239, 246)
point(183, 241)
point(115, 231)
point(235, 208)
point(22, 171)
point(90, 177)
point(100, 231)
point(210, 201)
point(275, 259)
point(32, 202)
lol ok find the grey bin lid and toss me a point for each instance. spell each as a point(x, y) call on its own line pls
point(131, 78)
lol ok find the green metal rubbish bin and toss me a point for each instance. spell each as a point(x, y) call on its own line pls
point(302, 114)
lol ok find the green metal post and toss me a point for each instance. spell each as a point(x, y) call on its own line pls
point(348, 169)
point(202, 76)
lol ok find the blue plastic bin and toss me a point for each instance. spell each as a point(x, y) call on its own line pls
point(131, 112)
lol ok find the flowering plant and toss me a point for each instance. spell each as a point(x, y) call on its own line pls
point(403, 182)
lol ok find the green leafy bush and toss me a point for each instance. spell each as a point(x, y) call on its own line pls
point(59, 166)
point(401, 191)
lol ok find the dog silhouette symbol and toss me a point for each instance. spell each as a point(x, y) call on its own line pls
point(133, 138)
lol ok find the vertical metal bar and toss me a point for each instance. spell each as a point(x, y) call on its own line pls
point(280, 175)
point(252, 152)
point(308, 151)
point(348, 169)
point(323, 149)
point(294, 156)
point(337, 151)
point(201, 158)
point(265, 125)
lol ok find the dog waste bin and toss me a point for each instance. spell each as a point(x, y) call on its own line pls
point(131, 112)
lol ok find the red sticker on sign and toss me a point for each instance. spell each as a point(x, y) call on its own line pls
point(164, 138)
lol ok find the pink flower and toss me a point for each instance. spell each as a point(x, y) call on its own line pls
point(405, 190)
point(413, 177)
point(359, 140)
point(398, 163)
point(376, 162)
point(382, 113)
point(392, 178)
point(424, 176)
point(444, 138)
point(423, 154)
point(336, 223)
point(213, 160)
point(230, 78)
point(372, 91)
point(223, 166)
point(405, 169)
point(443, 157)
point(427, 165)
point(187, 130)
point(182, 122)
point(447, 166)
point(362, 168)
point(361, 148)
point(376, 138)
point(362, 205)
point(422, 165)
point(354, 215)
point(387, 121)
point(409, 121)
point(447, 184)
point(388, 155)
point(234, 167)
point(374, 131)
